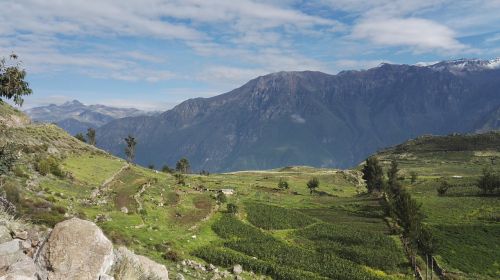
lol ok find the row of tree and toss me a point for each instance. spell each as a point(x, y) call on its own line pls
point(400, 206)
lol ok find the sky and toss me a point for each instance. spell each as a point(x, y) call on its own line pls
point(154, 54)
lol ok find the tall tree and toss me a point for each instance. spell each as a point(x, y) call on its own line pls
point(12, 80)
point(313, 184)
point(373, 174)
point(392, 174)
point(183, 165)
point(130, 148)
point(91, 136)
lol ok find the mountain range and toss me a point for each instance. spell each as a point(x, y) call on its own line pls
point(317, 119)
point(313, 118)
point(75, 117)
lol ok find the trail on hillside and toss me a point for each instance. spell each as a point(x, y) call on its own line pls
point(108, 181)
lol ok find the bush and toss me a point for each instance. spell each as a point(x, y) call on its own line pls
point(7, 158)
point(283, 184)
point(443, 188)
point(489, 181)
point(12, 193)
point(49, 165)
point(232, 208)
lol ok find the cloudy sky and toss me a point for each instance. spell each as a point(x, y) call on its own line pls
point(153, 54)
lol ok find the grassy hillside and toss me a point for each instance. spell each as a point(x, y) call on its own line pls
point(466, 222)
point(336, 233)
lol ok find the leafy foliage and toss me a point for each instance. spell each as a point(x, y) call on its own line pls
point(80, 137)
point(91, 136)
point(130, 148)
point(373, 174)
point(273, 217)
point(489, 181)
point(12, 80)
point(49, 165)
point(313, 184)
point(183, 165)
point(283, 184)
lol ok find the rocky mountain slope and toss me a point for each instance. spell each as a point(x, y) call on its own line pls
point(74, 116)
point(313, 118)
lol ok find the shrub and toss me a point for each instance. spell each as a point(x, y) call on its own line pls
point(7, 158)
point(283, 184)
point(489, 181)
point(232, 208)
point(49, 165)
point(443, 188)
point(171, 256)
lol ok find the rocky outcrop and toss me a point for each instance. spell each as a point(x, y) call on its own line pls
point(74, 249)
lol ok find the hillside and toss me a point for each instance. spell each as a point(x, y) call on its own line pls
point(75, 117)
point(313, 118)
point(170, 218)
point(465, 221)
point(337, 232)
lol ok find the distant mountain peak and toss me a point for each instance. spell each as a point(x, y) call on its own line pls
point(73, 102)
point(464, 64)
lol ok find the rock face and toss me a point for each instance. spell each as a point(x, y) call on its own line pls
point(313, 118)
point(75, 249)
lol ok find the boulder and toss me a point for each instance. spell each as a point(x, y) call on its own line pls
point(75, 249)
point(14, 264)
point(237, 269)
point(129, 266)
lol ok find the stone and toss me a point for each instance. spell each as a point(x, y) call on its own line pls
point(146, 265)
point(14, 264)
point(75, 249)
point(124, 210)
point(22, 234)
point(237, 269)
point(179, 277)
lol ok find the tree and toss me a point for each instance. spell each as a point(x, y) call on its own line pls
point(183, 165)
point(167, 169)
point(130, 149)
point(313, 184)
point(12, 80)
point(80, 137)
point(151, 166)
point(91, 136)
point(489, 181)
point(373, 174)
point(443, 188)
point(221, 198)
point(232, 208)
point(392, 174)
point(283, 184)
point(413, 177)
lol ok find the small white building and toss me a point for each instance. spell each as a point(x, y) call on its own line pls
point(227, 191)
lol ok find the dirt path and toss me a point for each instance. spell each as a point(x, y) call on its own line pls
point(108, 181)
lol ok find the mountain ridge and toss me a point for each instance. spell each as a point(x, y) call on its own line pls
point(312, 118)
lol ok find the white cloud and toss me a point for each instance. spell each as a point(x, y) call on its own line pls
point(421, 34)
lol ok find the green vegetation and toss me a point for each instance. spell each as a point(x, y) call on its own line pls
point(272, 217)
point(12, 80)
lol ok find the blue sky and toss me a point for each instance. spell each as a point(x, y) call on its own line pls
point(153, 54)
